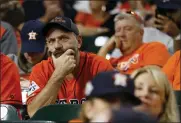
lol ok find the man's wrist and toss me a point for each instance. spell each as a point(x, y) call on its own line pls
point(57, 77)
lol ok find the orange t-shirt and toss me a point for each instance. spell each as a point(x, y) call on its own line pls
point(87, 20)
point(70, 91)
point(153, 53)
point(10, 82)
point(2, 31)
point(172, 70)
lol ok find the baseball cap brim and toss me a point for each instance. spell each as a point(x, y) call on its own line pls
point(36, 47)
point(54, 25)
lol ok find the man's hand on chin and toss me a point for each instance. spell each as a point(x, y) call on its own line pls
point(66, 63)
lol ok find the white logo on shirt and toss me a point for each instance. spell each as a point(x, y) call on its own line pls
point(88, 89)
point(32, 88)
point(126, 65)
point(32, 35)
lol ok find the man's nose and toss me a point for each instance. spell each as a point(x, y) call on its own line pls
point(58, 44)
point(121, 33)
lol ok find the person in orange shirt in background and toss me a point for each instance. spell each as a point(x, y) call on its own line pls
point(99, 21)
point(172, 70)
point(10, 83)
point(128, 41)
point(62, 78)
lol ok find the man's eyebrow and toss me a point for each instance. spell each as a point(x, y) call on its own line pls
point(129, 26)
point(117, 28)
point(60, 36)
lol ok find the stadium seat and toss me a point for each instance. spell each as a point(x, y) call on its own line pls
point(8, 112)
point(178, 97)
point(57, 113)
point(24, 113)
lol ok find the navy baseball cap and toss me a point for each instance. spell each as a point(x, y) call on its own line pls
point(128, 115)
point(168, 4)
point(32, 37)
point(110, 82)
point(62, 22)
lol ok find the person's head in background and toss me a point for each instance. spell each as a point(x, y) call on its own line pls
point(12, 12)
point(33, 48)
point(137, 4)
point(107, 91)
point(155, 92)
point(102, 5)
point(35, 9)
point(168, 16)
point(128, 32)
point(61, 35)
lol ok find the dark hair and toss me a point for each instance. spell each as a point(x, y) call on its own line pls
point(14, 16)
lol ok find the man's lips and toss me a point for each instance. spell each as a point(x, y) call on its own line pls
point(57, 53)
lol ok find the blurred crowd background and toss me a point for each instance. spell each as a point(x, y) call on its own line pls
point(94, 19)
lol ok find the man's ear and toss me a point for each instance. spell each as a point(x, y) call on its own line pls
point(79, 39)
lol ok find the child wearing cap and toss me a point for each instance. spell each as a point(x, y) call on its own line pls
point(33, 49)
point(107, 91)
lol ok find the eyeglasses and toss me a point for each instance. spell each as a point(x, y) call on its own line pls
point(135, 15)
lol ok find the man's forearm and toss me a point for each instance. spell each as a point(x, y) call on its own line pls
point(103, 51)
point(44, 19)
point(46, 97)
point(87, 31)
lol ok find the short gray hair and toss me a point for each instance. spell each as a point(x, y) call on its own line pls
point(127, 16)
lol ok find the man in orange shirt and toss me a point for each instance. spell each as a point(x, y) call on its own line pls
point(62, 78)
point(10, 82)
point(172, 70)
point(128, 40)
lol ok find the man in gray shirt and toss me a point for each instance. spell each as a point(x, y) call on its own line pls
point(8, 41)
